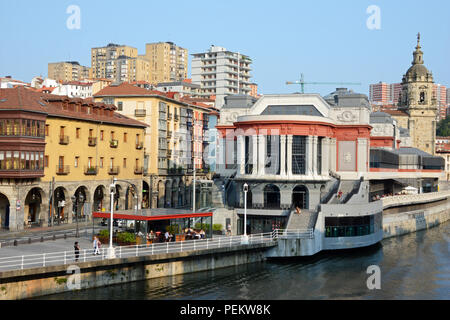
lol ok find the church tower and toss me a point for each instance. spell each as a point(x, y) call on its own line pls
point(416, 99)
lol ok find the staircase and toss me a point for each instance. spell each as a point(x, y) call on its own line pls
point(305, 220)
point(346, 186)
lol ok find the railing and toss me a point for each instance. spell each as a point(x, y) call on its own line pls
point(114, 143)
point(406, 199)
point(139, 145)
point(86, 255)
point(92, 142)
point(138, 170)
point(140, 113)
point(113, 170)
point(90, 170)
point(62, 170)
point(64, 140)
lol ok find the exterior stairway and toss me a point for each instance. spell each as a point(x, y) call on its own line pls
point(345, 187)
point(305, 220)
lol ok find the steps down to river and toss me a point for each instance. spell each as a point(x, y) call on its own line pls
point(305, 220)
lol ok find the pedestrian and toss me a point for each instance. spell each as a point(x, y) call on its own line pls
point(167, 236)
point(77, 251)
point(96, 245)
point(297, 209)
point(229, 230)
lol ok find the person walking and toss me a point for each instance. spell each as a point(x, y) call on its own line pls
point(77, 251)
point(96, 246)
point(229, 230)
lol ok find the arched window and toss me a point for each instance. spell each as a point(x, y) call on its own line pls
point(272, 197)
point(300, 197)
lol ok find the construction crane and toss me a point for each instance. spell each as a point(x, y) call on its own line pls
point(302, 83)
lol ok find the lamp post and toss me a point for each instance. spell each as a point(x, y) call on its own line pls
point(245, 238)
point(111, 253)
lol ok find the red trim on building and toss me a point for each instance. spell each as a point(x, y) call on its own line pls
point(107, 215)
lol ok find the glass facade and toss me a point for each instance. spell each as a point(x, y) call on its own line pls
point(350, 226)
point(298, 155)
point(23, 127)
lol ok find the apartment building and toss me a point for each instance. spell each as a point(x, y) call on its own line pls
point(73, 89)
point(104, 60)
point(168, 62)
point(440, 94)
point(182, 87)
point(55, 148)
point(220, 72)
point(176, 138)
point(130, 69)
point(68, 71)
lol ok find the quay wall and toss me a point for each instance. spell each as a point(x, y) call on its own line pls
point(426, 217)
point(37, 282)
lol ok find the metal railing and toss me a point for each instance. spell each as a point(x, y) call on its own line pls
point(87, 255)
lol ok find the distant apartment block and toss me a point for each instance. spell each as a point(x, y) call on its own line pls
point(220, 73)
point(383, 93)
point(168, 62)
point(182, 87)
point(440, 94)
point(132, 69)
point(68, 71)
point(254, 90)
point(74, 89)
point(104, 60)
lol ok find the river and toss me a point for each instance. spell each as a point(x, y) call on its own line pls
point(414, 266)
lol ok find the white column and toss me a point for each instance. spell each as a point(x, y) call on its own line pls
point(315, 150)
point(283, 155)
point(309, 156)
point(241, 154)
point(289, 155)
point(261, 155)
point(333, 154)
point(255, 154)
point(325, 156)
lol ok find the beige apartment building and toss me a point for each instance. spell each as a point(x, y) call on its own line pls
point(104, 59)
point(132, 69)
point(168, 62)
point(68, 71)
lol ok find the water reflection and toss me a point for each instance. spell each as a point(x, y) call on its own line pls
point(414, 266)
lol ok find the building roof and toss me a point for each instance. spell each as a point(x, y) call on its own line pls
point(29, 100)
point(380, 117)
point(126, 89)
point(396, 112)
point(343, 98)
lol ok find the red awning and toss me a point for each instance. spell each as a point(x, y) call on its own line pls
point(107, 215)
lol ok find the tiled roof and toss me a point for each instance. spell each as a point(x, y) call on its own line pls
point(395, 112)
point(52, 105)
point(126, 89)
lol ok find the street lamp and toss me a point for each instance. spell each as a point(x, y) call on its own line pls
point(111, 253)
point(245, 239)
point(75, 202)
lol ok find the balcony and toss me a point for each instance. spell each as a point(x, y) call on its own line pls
point(92, 142)
point(114, 143)
point(64, 140)
point(91, 170)
point(140, 113)
point(114, 171)
point(139, 145)
point(138, 170)
point(62, 170)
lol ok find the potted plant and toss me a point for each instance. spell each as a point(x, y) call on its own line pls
point(217, 229)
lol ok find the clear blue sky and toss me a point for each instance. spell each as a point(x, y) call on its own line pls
point(325, 40)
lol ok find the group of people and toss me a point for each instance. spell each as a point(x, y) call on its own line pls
point(191, 234)
point(96, 246)
point(378, 197)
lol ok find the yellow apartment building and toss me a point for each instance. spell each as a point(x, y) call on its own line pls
point(104, 59)
point(168, 62)
point(68, 71)
point(87, 144)
point(173, 139)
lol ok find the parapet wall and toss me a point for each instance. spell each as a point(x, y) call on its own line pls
point(24, 284)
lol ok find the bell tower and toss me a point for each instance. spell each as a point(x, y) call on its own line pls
point(416, 99)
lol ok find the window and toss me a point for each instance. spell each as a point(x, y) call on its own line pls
point(45, 161)
point(272, 164)
point(78, 130)
point(76, 162)
point(47, 130)
point(101, 162)
point(91, 131)
point(319, 155)
point(124, 162)
point(112, 135)
point(101, 135)
point(120, 106)
point(124, 137)
point(298, 154)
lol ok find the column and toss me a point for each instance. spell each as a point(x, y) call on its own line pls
point(255, 154)
point(333, 154)
point(325, 156)
point(309, 156)
point(241, 154)
point(262, 155)
point(315, 150)
point(289, 155)
point(283, 155)
point(221, 156)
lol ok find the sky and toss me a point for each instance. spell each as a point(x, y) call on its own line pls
point(327, 41)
